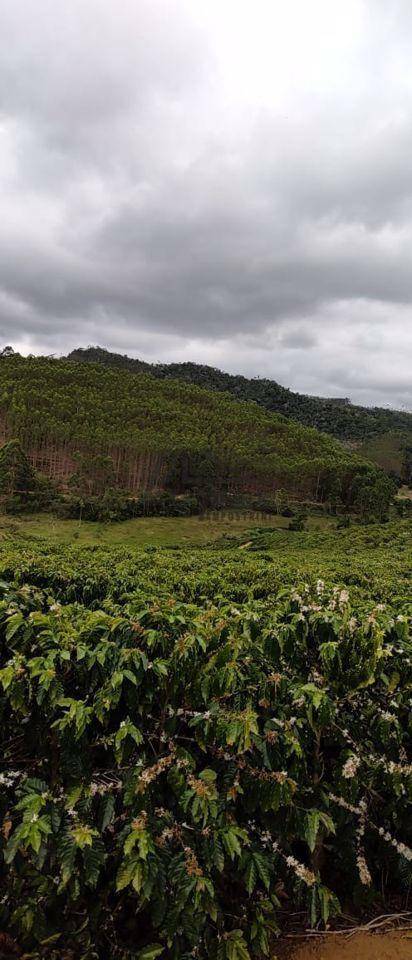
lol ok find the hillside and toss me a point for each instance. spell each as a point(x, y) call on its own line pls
point(166, 434)
point(338, 417)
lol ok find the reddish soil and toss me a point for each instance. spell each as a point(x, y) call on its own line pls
point(361, 946)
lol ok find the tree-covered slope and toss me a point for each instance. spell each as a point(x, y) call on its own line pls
point(338, 417)
point(202, 435)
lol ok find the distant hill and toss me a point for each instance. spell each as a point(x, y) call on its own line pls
point(347, 422)
point(147, 433)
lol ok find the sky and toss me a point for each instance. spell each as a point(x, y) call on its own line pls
point(223, 181)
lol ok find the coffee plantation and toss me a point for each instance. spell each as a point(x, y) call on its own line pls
point(197, 742)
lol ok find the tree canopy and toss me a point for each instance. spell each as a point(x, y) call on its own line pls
point(197, 439)
point(334, 415)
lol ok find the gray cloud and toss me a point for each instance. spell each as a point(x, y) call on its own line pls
point(188, 182)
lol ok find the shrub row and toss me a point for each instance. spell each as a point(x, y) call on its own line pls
point(175, 775)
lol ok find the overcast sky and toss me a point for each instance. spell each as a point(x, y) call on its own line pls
point(226, 181)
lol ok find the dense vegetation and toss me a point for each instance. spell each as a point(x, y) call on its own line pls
point(392, 451)
point(21, 487)
point(193, 741)
point(338, 417)
point(201, 442)
point(373, 560)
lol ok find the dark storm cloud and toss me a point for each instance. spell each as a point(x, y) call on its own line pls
point(152, 203)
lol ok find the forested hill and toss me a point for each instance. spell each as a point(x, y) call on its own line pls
point(167, 433)
point(338, 417)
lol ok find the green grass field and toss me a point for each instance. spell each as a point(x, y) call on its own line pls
point(158, 531)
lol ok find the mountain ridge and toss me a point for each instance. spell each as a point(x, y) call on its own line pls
point(214, 378)
point(381, 434)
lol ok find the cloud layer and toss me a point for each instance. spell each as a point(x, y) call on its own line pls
point(226, 182)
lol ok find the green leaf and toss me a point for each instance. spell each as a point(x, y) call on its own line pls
point(93, 858)
point(208, 775)
point(125, 873)
point(107, 811)
point(250, 875)
point(83, 835)
point(150, 952)
point(13, 625)
point(7, 676)
point(311, 828)
point(313, 820)
point(138, 878)
point(231, 843)
point(262, 868)
point(236, 947)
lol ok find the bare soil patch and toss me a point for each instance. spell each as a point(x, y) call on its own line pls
point(360, 946)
